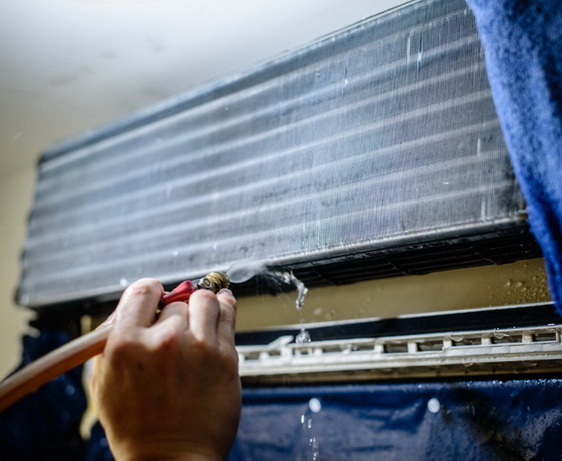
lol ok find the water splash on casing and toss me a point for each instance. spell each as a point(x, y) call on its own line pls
point(289, 278)
point(242, 271)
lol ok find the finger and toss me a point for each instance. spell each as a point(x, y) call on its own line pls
point(170, 328)
point(176, 309)
point(203, 314)
point(108, 320)
point(227, 317)
point(137, 307)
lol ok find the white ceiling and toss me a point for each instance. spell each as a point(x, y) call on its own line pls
point(67, 66)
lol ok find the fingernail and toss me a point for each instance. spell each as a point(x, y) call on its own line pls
point(226, 291)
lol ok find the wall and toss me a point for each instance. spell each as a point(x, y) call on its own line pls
point(16, 190)
point(518, 283)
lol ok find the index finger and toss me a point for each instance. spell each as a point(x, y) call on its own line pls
point(137, 307)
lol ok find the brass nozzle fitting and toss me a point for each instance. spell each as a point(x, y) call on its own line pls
point(214, 281)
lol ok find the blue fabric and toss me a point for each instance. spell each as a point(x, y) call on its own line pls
point(98, 446)
point(522, 41)
point(482, 420)
point(44, 425)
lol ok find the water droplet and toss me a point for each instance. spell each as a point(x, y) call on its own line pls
point(69, 390)
point(315, 448)
point(314, 405)
point(303, 337)
point(433, 405)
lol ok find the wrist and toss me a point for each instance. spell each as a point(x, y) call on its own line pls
point(179, 457)
point(164, 453)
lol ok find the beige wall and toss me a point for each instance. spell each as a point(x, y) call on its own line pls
point(16, 189)
point(518, 283)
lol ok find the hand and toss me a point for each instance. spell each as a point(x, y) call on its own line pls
point(169, 389)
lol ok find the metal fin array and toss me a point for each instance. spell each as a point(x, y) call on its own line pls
point(381, 136)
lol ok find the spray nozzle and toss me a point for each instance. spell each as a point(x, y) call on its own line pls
point(214, 281)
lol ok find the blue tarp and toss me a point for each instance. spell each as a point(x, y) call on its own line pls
point(478, 420)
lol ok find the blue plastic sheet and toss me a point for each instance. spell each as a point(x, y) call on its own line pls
point(479, 420)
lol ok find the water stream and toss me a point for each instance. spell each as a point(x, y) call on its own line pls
point(243, 271)
point(289, 278)
point(309, 431)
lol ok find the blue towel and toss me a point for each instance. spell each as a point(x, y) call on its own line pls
point(522, 41)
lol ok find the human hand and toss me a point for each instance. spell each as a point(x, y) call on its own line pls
point(169, 389)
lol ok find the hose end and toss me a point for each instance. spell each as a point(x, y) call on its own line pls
point(214, 281)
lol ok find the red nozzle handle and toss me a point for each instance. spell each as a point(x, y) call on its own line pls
point(181, 293)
